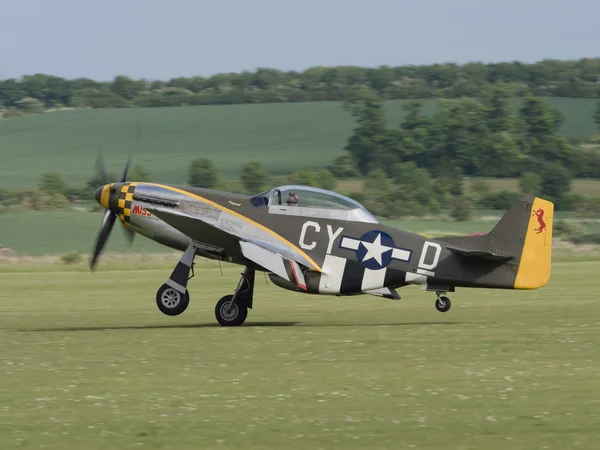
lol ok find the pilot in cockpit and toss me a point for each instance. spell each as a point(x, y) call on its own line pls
point(292, 198)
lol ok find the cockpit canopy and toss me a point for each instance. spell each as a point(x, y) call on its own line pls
point(306, 201)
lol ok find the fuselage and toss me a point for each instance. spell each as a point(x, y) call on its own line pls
point(346, 251)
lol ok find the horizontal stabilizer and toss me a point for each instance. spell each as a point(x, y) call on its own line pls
point(478, 253)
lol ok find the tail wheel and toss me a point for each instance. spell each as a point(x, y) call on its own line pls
point(230, 316)
point(170, 301)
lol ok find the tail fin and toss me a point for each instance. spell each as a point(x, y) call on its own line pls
point(536, 256)
point(523, 237)
point(525, 231)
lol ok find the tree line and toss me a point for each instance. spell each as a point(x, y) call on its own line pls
point(410, 191)
point(467, 137)
point(53, 191)
point(576, 78)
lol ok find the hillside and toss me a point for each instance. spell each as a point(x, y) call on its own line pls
point(284, 137)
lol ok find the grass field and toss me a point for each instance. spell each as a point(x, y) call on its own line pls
point(284, 137)
point(88, 362)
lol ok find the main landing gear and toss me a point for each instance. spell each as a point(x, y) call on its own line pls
point(170, 301)
point(232, 310)
point(173, 297)
point(442, 304)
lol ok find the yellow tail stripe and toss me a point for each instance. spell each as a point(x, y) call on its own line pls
point(536, 259)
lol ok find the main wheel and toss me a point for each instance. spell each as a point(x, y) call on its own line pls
point(442, 304)
point(170, 301)
point(230, 317)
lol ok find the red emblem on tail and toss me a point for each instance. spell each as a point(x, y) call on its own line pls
point(540, 217)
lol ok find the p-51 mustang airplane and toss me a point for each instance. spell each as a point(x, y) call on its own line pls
point(319, 242)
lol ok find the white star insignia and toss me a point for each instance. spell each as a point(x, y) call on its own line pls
point(375, 250)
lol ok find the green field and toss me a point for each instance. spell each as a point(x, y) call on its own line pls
point(88, 362)
point(284, 137)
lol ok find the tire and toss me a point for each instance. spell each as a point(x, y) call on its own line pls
point(170, 301)
point(442, 304)
point(235, 317)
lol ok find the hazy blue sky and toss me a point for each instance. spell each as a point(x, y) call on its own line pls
point(167, 38)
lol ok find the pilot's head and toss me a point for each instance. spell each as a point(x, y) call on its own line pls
point(292, 198)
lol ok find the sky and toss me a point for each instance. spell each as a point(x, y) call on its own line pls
point(162, 39)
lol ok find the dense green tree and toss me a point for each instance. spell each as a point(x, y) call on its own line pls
point(370, 143)
point(556, 183)
point(539, 118)
point(324, 179)
point(478, 190)
point(497, 110)
point(530, 183)
point(126, 87)
point(48, 89)
point(411, 139)
point(11, 91)
point(597, 115)
point(499, 155)
point(85, 83)
point(53, 183)
point(34, 86)
point(304, 177)
point(377, 183)
point(544, 78)
point(377, 193)
point(457, 133)
point(343, 167)
point(253, 177)
point(449, 180)
point(539, 139)
point(139, 173)
point(461, 208)
point(203, 173)
point(414, 191)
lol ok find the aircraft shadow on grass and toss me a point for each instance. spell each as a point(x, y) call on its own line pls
point(250, 324)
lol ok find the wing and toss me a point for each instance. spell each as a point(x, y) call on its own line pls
point(275, 258)
point(204, 235)
point(286, 268)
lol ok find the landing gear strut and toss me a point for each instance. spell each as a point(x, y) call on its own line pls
point(442, 304)
point(232, 310)
point(173, 297)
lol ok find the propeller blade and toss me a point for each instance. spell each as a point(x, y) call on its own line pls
point(101, 168)
point(108, 220)
point(138, 136)
point(126, 169)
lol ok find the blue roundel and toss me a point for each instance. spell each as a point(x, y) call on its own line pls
point(375, 250)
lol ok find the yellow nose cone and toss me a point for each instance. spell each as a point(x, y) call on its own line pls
point(101, 195)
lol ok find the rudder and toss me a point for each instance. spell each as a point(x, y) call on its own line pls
point(536, 258)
